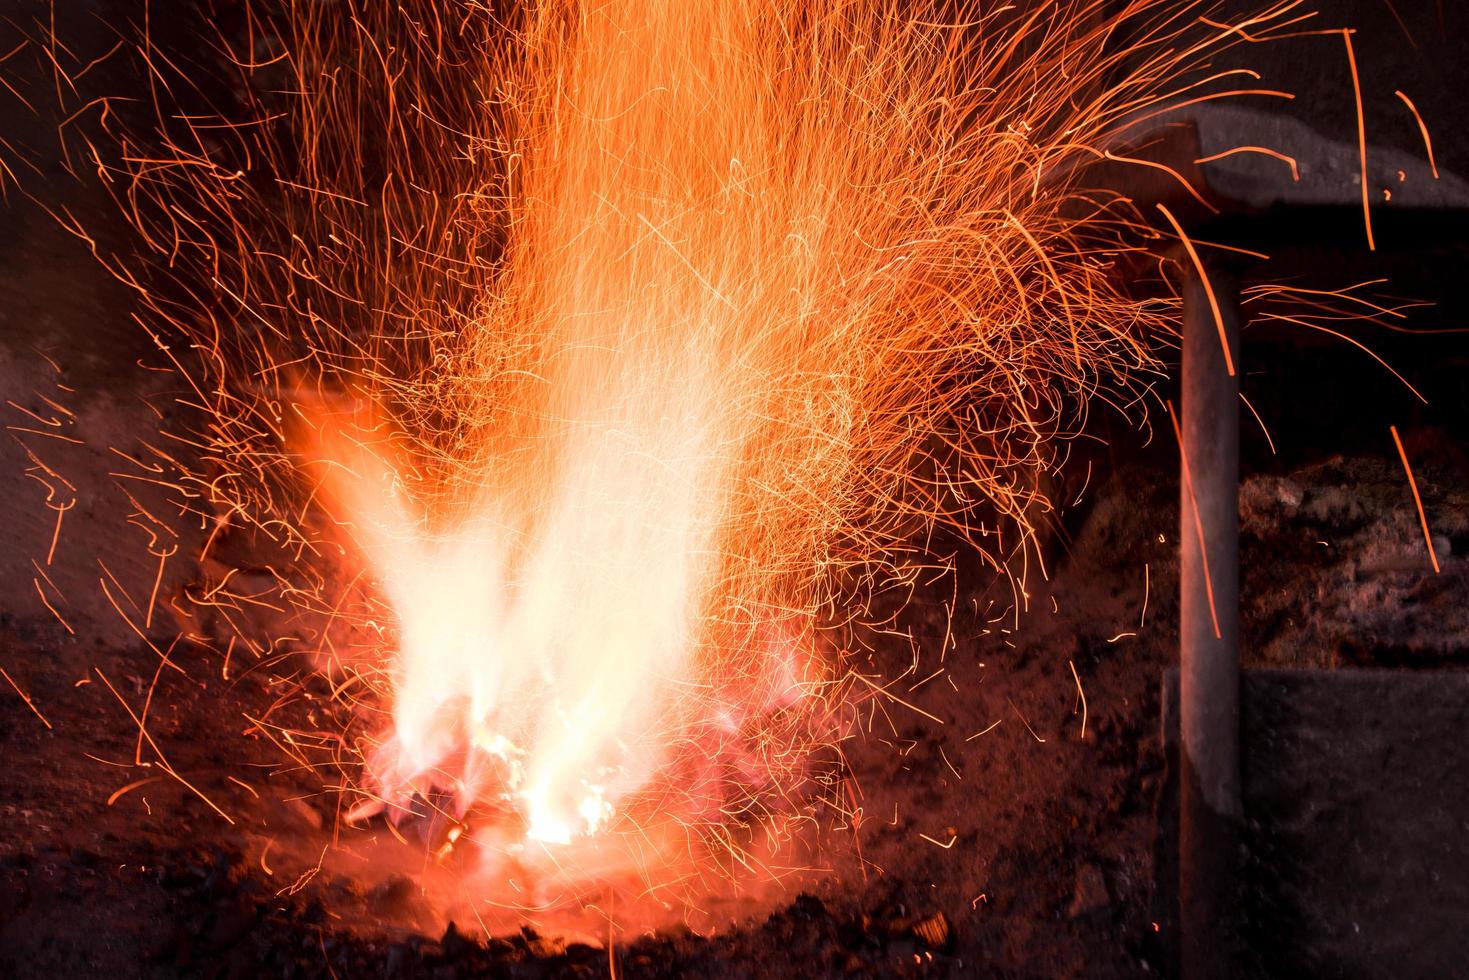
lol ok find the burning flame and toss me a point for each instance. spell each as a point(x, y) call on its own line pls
point(547, 642)
point(746, 251)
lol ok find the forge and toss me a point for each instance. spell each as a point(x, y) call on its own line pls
point(646, 489)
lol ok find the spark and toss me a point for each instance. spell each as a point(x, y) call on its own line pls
point(1346, 36)
point(985, 731)
point(246, 786)
point(1259, 421)
point(47, 602)
point(893, 697)
point(1081, 695)
point(160, 761)
point(943, 756)
point(937, 843)
point(1290, 161)
point(24, 697)
point(1423, 130)
point(128, 788)
point(1193, 257)
point(305, 877)
point(1024, 722)
point(1355, 343)
point(56, 530)
point(1142, 618)
point(1417, 500)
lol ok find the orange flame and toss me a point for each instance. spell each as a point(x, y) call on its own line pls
point(716, 323)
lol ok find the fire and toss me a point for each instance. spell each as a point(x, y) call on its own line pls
point(577, 378)
point(546, 644)
point(690, 379)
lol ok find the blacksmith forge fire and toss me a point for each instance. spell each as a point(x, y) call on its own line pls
point(594, 423)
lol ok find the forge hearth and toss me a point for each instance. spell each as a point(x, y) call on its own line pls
point(1054, 867)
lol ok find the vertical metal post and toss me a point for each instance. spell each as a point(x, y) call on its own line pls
point(1210, 806)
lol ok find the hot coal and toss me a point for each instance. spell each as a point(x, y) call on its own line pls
point(229, 924)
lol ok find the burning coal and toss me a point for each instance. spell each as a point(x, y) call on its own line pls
point(577, 373)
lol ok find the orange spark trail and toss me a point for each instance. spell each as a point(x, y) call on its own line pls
point(1290, 161)
point(1198, 265)
point(1423, 130)
point(1346, 36)
point(24, 697)
point(1417, 500)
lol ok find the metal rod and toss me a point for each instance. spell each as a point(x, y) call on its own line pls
point(1210, 806)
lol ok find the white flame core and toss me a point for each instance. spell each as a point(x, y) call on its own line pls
point(544, 651)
